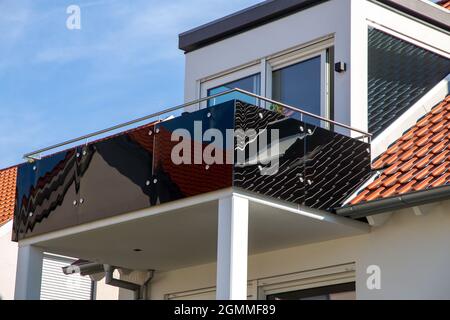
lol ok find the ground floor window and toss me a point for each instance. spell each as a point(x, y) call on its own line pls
point(343, 291)
point(336, 282)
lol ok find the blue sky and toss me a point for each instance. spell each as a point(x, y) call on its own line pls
point(56, 84)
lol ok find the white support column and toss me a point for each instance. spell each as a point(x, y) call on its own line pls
point(28, 273)
point(232, 249)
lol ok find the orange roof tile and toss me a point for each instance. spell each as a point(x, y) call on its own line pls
point(445, 4)
point(7, 194)
point(419, 160)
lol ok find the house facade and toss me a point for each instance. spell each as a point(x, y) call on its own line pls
point(54, 284)
point(357, 206)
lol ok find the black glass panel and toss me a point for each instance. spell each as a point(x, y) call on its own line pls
point(213, 150)
point(335, 166)
point(87, 183)
point(317, 168)
point(46, 191)
point(282, 177)
point(179, 171)
point(399, 74)
point(115, 175)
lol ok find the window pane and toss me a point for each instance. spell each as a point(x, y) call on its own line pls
point(399, 74)
point(299, 85)
point(344, 291)
point(250, 84)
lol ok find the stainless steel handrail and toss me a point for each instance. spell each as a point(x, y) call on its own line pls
point(31, 155)
point(365, 134)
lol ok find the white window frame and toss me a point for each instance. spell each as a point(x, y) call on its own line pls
point(191, 294)
point(259, 289)
point(316, 278)
point(266, 65)
point(404, 37)
point(230, 76)
point(298, 57)
point(252, 293)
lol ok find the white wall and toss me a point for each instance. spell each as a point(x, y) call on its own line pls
point(106, 292)
point(8, 260)
point(412, 252)
point(8, 263)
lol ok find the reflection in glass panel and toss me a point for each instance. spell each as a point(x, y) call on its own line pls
point(299, 85)
point(250, 84)
point(186, 172)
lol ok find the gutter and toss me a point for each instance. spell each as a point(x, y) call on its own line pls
point(109, 279)
point(84, 268)
point(139, 290)
point(395, 203)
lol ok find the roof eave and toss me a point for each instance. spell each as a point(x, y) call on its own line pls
point(271, 10)
point(241, 21)
point(395, 203)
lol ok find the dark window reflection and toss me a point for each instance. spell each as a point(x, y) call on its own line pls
point(344, 291)
point(299, 85)
point(251, 84)
point(399, 74)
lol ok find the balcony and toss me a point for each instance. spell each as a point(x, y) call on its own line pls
point(303, 166)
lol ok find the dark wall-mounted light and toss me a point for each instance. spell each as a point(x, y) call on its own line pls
point(340, 67)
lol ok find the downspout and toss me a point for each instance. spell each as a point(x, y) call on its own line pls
point(109, 279)
point(144, 287)
point(93, 268)
point(84, 269)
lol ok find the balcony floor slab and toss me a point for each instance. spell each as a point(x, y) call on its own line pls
point(184, 233)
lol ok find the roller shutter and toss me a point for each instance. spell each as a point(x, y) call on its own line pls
point(56, 285)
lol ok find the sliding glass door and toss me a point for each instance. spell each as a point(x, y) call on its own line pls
point(300, 85)
point(299, 78)
point(304, 81)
